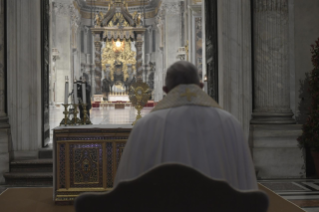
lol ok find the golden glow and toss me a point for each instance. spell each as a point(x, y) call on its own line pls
point(118, 44)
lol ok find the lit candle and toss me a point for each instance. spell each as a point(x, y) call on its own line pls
point(66, 94)
point(75, 93)
point(83, 92)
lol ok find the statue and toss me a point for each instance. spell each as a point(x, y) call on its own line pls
point(97, 21)
point(106, 84)
point(137, 18)
point(118, 70)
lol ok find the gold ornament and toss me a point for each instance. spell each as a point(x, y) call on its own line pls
point(139, 94)
point(127, 56)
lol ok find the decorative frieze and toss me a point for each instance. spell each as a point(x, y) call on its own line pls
point(61, 9)
point(271, 5)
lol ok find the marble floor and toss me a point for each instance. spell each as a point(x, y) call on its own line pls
point(102, 115)
point(302, 192)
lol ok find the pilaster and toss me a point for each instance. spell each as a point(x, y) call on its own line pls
point(233, 45)
point(271, 71)
point(273, 130)
point(24, 76)
point(4, 126)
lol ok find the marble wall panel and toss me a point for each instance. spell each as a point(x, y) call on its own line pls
point(306, 31)
point(2, 75)
point(234, 59)
point(172, 41)
point(63, 64)
point(24, 74)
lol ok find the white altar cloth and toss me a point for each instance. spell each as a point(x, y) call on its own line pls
point(114, 98)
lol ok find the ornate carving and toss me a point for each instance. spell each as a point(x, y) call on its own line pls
point(139, 55)
point(270, 5)
point(98, 73)
point(62, 9)
point(109, 57)
point(172, 7)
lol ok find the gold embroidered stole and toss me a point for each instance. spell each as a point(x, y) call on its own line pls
point(189, 94)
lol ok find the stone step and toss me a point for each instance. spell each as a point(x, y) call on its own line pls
point(29, 179)
point(31, 166)
point(45, 153)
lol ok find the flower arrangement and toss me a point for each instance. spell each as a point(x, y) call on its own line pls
point(310, 130)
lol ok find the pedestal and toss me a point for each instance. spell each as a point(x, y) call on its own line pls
point(86, 159)
point(276, 154)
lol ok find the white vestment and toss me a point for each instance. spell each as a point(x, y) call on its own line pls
point(188, 127)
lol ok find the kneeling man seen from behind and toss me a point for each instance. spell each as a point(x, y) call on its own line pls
point(190, 128)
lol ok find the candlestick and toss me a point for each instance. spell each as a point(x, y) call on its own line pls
point(86, 118)
point(66, 94)
point(75, 120)
point(66, 120)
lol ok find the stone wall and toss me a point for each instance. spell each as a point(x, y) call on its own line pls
point(306, 31)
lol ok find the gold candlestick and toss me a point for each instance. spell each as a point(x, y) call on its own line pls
point(86, 119)
point(66, 120)
point(75, 120)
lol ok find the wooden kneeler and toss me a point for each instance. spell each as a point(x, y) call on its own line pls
point(173, 187)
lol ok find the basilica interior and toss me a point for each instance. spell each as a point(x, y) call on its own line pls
point(253, 57)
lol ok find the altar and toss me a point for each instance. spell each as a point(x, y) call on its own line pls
point(86, 159)
point(116, 98)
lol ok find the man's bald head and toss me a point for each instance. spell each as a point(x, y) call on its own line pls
point(181, 72)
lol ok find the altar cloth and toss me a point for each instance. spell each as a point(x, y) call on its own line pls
point(118, 98)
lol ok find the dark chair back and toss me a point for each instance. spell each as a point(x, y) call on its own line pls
point(173, 187)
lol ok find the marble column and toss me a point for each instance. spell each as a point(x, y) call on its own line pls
point(271, 70)
point(139, 56)
point(229, 72)
point(24, 76)
point(98, 64)
point(2, 62)
point(273, 130)
point(4, 126)
point(172, 20)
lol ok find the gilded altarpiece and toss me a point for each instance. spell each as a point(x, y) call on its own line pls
point(111, 54)
point(86, 160)
point(118, 29)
